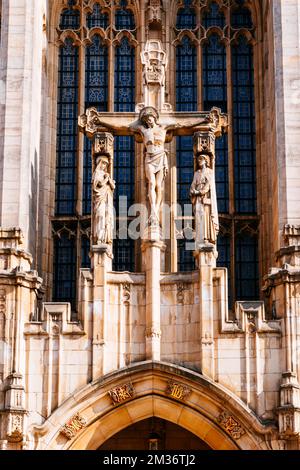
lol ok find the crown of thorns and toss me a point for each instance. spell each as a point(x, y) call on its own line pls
point(148, 111)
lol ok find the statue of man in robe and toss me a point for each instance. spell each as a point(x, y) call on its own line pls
point(203, 197)
point(103, 187)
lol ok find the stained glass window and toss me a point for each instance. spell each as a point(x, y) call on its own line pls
point(64, 269)
point(244, 127)
point(124, 17)
point(236, 191)
point(74, 163)
point(215, 94)
point(85, 249)
point(246, 265)
point(96, 92)
point(186, 76)
point(186, 17)
point(241, 16)
point(67, 115)
point(124, 152)
point(70, 18)
point(186, 100)
point(124, 77)
point(213, 17)
point(223, 247)
point(97, 18)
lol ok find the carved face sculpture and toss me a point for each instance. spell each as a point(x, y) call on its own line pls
point(202, 161)
point(103, 162)
point(150, 121)
point(149, 116)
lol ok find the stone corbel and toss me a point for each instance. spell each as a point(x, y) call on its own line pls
point(154, 12)
point(103, 144)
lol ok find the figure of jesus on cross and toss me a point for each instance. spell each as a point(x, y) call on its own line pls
point(153, 132)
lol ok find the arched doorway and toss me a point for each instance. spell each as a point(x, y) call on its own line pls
point(209, 411)
point(154, 434)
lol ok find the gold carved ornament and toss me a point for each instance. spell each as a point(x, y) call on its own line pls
point(177, 390)
point(122, 393)
point(73, 426)
point(231, 425)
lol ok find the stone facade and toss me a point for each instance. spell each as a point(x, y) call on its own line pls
point(153, 343)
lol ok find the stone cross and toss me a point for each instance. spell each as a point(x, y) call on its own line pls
point(153, 124)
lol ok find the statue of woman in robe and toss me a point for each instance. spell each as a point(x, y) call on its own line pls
point(103, 187)
point(203, 197)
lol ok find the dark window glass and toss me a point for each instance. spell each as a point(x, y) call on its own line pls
point(241, 16)
point(85, 249)
point(125, 77)
point(213, 17)
point(223, 260)
point(64, 270)
point(186, 16)
point(124, 18)
point(124, 153)
point(186, 100)
point(96, 90)
point(186, 76)
point(244, 127)
point(87, 177)
point(123, 199)
point(186, 260)
point(123, 255)
point(215, 94)
point(67, 115)
point(70, 19)
point(124, 169)
point(185, 168)
point(246, 265)
point(98, 18)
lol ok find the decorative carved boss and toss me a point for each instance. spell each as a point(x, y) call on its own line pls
point(177, 390)
point(154, 12)
point(73, 426)
point(122, 393)
point(231, 425)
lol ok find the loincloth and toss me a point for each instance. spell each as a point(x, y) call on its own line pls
point(156, 162)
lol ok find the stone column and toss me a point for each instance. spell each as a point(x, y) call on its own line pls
point(101, 264)
point(22, 42)
point(152, 251)
point(152, 248)
point(205, 255)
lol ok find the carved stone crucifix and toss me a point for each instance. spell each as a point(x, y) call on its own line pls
point(153, 130)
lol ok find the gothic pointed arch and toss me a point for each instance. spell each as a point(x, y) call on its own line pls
point(206, 409)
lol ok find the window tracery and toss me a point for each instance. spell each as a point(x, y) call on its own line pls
point(222, 37)
point(96, 68)
point(98, 42)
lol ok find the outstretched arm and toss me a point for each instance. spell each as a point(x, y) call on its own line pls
point(186, 123)
point(109, 123)
point(183, 123)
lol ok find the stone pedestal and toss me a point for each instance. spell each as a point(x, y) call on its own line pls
point(206, 262)
point(101, 265)
point(152, 249)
